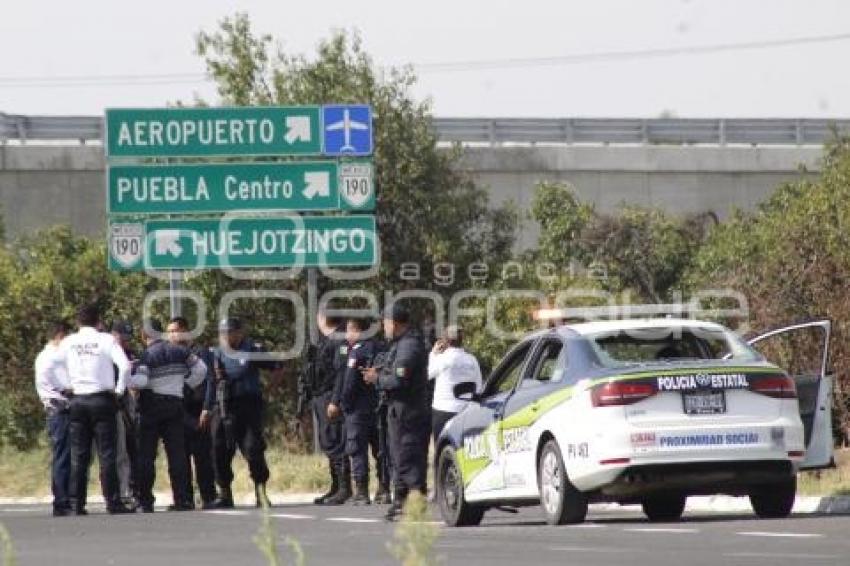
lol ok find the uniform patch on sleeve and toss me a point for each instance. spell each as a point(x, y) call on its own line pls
point(401, 372)
point(343, 350)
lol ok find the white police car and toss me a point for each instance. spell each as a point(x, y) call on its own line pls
point(639, 411)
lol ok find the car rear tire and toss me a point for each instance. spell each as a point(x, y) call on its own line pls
point(561, 502)
point(455, 510)
point(774, 501)
point(664, 507)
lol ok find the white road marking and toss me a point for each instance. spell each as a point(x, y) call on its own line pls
point(771, 534)
point(802, 557)
point(352, 520)
point(292, 516)
point(661, 530)
point(233, 512)
point(591, 549)
point(587, 526)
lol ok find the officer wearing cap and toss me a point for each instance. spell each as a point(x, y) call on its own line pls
point(234, 409)
point(404, 379)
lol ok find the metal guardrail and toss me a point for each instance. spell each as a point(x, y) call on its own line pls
point(496, 131)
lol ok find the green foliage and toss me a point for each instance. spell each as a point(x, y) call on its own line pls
point(43, 278)
point(415, 535)
point(428, 211)
point(7, 547)
point(562, 218)
point(266, 541)
point(642, 250)
point(791, 257)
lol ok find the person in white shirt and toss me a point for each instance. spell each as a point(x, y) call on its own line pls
point(88, 357)
point(52, 389)
point(449, 364)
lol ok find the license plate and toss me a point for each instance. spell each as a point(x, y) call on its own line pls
point(704, 402)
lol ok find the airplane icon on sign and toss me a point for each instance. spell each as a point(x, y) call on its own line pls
point(346, 125)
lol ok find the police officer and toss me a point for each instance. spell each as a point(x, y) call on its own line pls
point(331, 361)
point(87, 356)
point(127, 419)
point(404, 379)
point(359, 404)
point(53, 392)
point(164, 369)
point(198, 441)
point(234, 409)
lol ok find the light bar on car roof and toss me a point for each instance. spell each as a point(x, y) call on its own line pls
point(670, 310)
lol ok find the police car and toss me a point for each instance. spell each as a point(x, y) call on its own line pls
point(641, 411)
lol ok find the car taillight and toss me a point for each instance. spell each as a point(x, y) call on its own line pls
point(777, 386)
point(621, 393)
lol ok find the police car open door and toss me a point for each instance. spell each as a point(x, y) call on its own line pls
point(803, 351)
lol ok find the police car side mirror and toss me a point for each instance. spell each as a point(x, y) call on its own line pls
point(465, 391)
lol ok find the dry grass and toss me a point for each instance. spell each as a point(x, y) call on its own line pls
point(27, 474)
point(834, 481)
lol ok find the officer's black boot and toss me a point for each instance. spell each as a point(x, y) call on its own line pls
point(334, 486)
point(343, 494)
point(262, 496)
point(383, 496)
point(361, 493)
point(225, 499)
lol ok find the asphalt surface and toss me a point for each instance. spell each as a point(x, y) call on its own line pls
point(355, 536)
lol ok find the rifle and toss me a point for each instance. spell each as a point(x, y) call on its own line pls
point(221, 394)
point(383, 463)
point(306, 380)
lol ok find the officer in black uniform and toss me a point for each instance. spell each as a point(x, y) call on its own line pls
point(359, 404)
point(198, 441)
point(331, 362)
point(234, 409)
point(164, 369)
point(404, 379)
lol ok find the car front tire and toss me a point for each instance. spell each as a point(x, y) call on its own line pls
point(774, 501)
point(562, 503)
point(454, 508)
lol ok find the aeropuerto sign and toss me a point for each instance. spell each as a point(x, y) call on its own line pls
point(225, 131)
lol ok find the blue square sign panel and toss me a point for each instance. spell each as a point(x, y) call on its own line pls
point(347, 129)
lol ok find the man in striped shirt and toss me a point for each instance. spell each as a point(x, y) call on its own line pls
point(163, 370)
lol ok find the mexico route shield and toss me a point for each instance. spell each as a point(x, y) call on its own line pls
point(355, 184)
point(125, 243)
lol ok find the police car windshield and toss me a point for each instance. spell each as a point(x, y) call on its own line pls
point(669, 344)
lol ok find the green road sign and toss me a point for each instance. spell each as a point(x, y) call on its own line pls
point(188, 132)
point(230, 187)
point(239, 242)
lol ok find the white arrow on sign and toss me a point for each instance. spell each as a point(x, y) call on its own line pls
point(166, 243)
point(317, 183)
point(297, 128)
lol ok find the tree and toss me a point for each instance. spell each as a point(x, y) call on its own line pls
point(791, 257)
point(428, 210)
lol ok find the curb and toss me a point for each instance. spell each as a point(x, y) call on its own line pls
point(828, 505)
point(163, 498)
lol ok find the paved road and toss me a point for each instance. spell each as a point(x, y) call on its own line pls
point(355, 536)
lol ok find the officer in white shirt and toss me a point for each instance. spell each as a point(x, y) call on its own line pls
point(52, 389)
point(449, 364)
point(88, 356)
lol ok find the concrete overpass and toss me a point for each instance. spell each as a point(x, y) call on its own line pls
point(51, 172)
